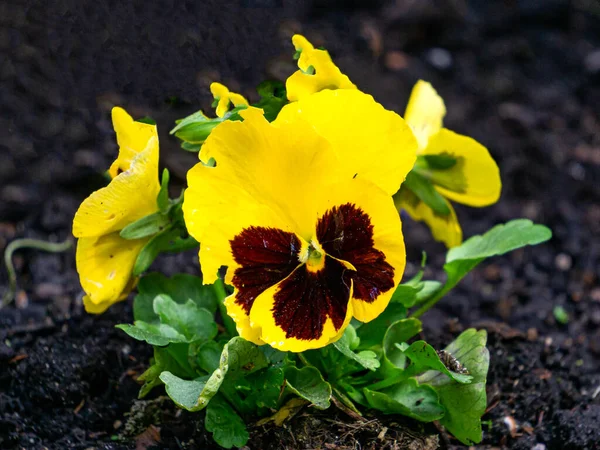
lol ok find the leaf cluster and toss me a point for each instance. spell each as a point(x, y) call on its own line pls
point(379, 365)
point(194, 129)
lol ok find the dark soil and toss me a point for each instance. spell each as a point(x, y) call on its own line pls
point(521, 77)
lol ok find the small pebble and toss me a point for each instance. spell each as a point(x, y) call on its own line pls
point(396, 60)
point(46, 291)
point(592, 62)
point(576, 170)
point(16, 194)
point(439, 58)
point(595, 317)
point(563, 262)
point(517, 114)
point(532, 334)
point(492, 272)
point(21, 300)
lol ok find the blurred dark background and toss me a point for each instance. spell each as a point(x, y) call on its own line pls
point(520, 76)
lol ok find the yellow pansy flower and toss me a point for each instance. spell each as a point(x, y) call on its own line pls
point(105, 260)
point(317, 72)
point(459, 167)
point(224, 97)
point(300, 210)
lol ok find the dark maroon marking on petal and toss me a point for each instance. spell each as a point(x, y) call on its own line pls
point(267, 256)
point(346, 232)
point(305, 300)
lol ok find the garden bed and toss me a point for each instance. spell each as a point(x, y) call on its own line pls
point(521, 79)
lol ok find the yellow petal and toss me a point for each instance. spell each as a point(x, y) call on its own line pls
point(132, 138)
point(242, 321)
point(371, 142)
point(130, 196)
point(105, 266)
point(475, 179)
point(326, 74)
point(305, 48)
point(445, 229)
point(279, 166)
point(424, 112)
point(225, 96)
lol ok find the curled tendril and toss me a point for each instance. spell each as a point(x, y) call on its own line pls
point(52, 247)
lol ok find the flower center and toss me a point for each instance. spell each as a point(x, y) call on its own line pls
point(315, 259)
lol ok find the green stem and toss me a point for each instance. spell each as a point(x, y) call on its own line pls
point(219, 288)
point(52, 247)
point(346, 401)
point(430, 303)
point(407, 373)
point(305, 361)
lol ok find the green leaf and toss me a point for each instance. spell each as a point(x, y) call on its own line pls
point(197, 133)
point(499, 240)
point(409, 399)
point(163, 195)
point(238, 359)
point(197, 117)
point(443, 161)
point(426, 192)
point(153, 333)
point(241, 358)
point(399, 332)
point(226, 426)
point(146, 226)
point(371, 333)
point(352, 338)
point(273, 98)
point(365, 358)
point(561, 315)
point(170, 240)
point(275, 357)
point(196, 128)
point(424, 357)
point(147, 120)
point(258, 390)
point(271, 88)
point(208, 355)
point(308, 383)
point(428, 289)
point(196, 324)
point(186, 394)
point(189, 147)
point(405, 295)
point(464, 403)
point(180, 288)
point(165, 359)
